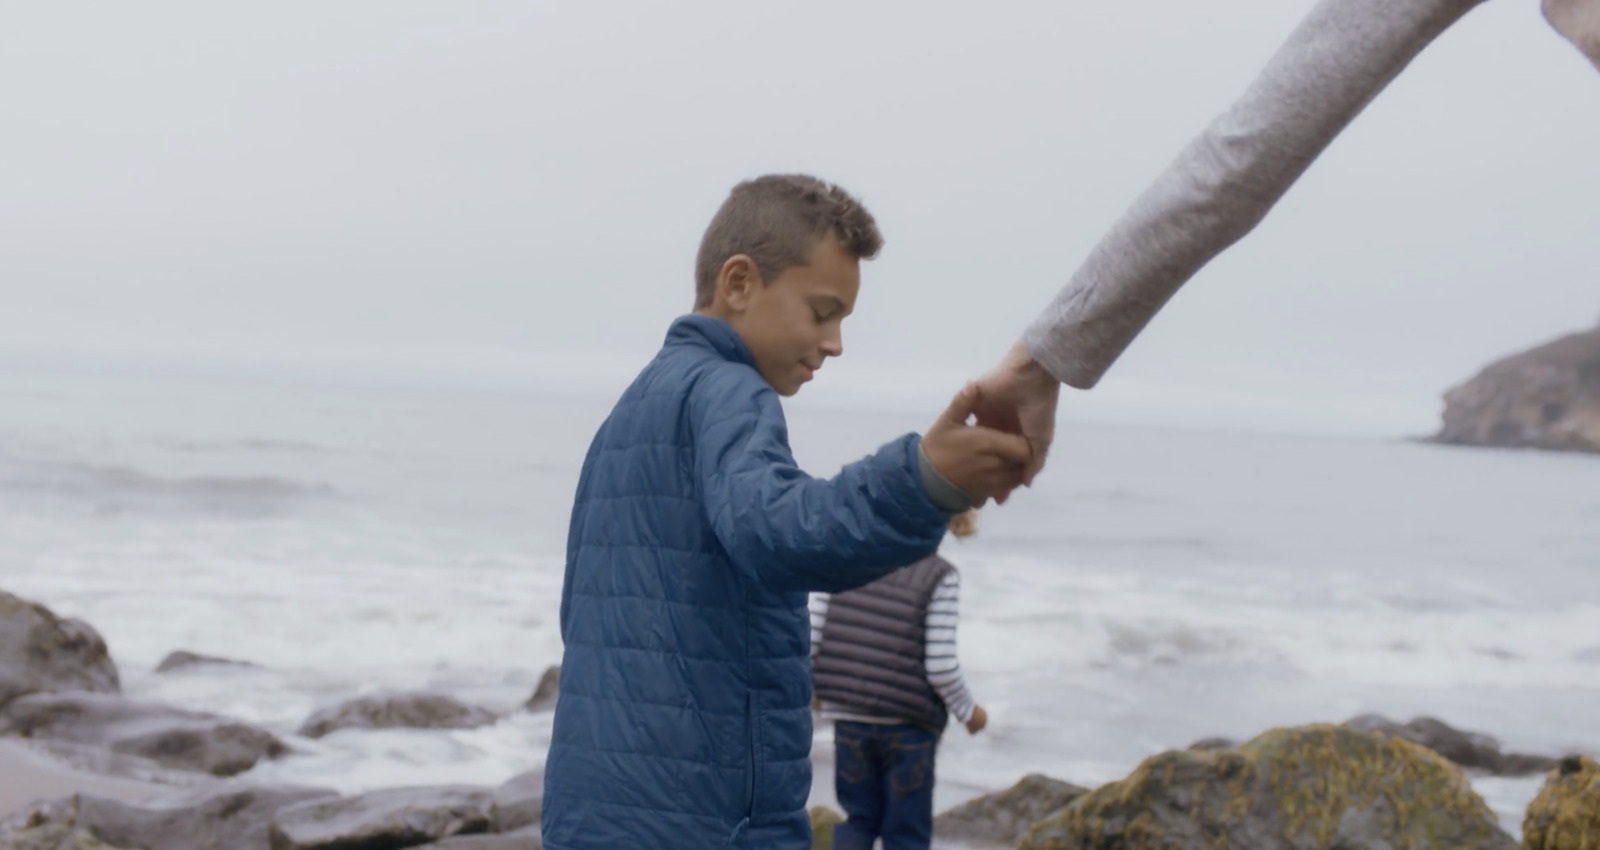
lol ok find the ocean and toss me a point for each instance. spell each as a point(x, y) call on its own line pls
point(1156, 587)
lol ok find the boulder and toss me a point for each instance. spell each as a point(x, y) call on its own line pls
point(1470, 750)
point(1566, 814)
point(1546, 398)
point(391, 818)
point(1310, 787)
point(823, 820)
point(397, 711)
point(171, 737)
point(209, 819)
point(43, 653)
point(1002, 819)
point(519, 801)
point(185, 660)
point(548, 691)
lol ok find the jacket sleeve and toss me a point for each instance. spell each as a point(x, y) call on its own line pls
point(1226, 180)
point(792, 532)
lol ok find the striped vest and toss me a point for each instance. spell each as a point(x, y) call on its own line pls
point(871, 659)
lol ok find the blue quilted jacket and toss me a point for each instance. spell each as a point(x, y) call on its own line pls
point(684, 717)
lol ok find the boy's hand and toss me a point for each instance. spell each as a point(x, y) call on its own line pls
point(979, 719)
point(983, 462)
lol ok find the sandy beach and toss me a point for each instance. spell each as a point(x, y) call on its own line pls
point(27, 776)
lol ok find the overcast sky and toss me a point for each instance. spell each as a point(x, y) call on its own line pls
point(514, 191)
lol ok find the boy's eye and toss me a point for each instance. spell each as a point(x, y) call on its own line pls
point(826, 311)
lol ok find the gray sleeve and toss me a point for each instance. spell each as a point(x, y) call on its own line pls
point(1223, 183)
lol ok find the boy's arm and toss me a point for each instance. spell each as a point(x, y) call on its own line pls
point(793, 532)
point(940, 659)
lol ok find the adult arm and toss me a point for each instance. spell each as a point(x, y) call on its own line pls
point(1226, 180)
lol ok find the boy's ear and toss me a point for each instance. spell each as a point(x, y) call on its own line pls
point(738, 279)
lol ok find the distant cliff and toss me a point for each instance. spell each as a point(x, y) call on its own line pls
point(1544, 398)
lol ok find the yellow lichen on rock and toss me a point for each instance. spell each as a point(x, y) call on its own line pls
point(1566, 814)
point(1319, 773)
point(1308, 787)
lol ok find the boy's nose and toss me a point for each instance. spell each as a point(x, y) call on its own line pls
point(833, 346)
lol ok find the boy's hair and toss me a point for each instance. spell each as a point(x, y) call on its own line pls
point(777, 221)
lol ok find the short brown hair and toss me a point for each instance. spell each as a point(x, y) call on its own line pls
point(777, 221)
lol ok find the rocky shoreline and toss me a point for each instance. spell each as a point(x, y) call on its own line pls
point(100, 770)
point(1547, 397)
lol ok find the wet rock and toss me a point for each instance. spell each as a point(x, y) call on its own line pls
point(207, 819)
point(522, 839)
point(1289, 789)
point(185, 660)
point(397, 711)
point(211, 819)
point(548, 691)
point(1002, 819)
point(48, 826)
point(392, 818)
point(519, 801)
point(171, 737)
point(1468, 749)
point(99, 761)
point(43, 653)
point(1566, 814)
point(823, 820)
point(1547, 398)
point(52, 836)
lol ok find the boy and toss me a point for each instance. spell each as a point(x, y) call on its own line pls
point(684, 718)
point(886, 672)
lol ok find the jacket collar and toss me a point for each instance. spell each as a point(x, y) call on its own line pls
point(712, 334)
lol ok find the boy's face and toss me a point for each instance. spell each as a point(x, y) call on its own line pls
point(793, 323)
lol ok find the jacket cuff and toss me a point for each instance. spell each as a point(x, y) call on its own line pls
point(941, 490)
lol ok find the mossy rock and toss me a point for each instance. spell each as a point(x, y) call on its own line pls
point(823, 820)
point(1566, 814)
point(1308, 788)
point(1003, 818)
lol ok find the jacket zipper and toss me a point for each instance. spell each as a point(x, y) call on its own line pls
point(750, 746)
point(750, 770)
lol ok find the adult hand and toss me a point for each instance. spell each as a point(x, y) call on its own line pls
point(983, 462)
point(1579, 22)
point(1019, 397)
